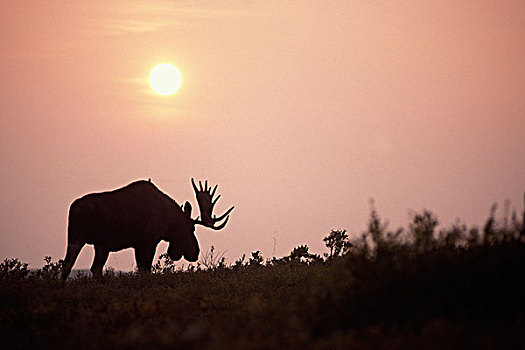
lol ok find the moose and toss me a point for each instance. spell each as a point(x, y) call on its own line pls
point(138, 216)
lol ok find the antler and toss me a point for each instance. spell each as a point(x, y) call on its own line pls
point(206, 203)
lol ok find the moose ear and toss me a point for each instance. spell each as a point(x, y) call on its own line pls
point(187, 209)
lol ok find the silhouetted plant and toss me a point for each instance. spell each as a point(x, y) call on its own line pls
point(164, 264)
point(454, 236)
point(13, 269)
point(377, 239)
point(110, 271)
point(521, 227)
point(212, 260)
point(50, 269)
point(301, 254)
point(337, 242)
point(422, 229)
point(376, 229)
point(278, 261)
point(193, 267)
point(256, 259)
point(240, 262)
point(489, 228)
point(298, 255)
point(504, 230)
point(383, 240)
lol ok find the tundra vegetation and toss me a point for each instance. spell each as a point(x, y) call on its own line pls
point(419, 287)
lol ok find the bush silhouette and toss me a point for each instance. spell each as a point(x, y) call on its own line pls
point(423, 287)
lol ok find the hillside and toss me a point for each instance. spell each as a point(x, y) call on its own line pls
point(415, 288)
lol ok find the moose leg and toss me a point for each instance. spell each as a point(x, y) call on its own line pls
point(73, 249)
point(144, 258)
point(101, 255)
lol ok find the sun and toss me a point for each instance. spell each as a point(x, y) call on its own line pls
point(165, 79)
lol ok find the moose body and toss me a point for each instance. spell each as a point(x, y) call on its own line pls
point(137, 216)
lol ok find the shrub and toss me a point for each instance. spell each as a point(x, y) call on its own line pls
point(51, 270)
point(13, 269)
point(164, 264)
point(337, 242)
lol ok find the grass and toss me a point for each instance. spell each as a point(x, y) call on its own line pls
point(416, 288)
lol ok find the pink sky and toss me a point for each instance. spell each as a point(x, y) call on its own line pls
point(301, 111)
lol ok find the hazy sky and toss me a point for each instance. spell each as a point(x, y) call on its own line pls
point(301, 111)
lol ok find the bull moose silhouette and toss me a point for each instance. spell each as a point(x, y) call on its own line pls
point(138, 216)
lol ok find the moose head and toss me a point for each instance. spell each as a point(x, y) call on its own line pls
point(184, 243)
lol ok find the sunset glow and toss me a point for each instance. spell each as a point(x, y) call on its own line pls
point(300, 111)
point(165, 79)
